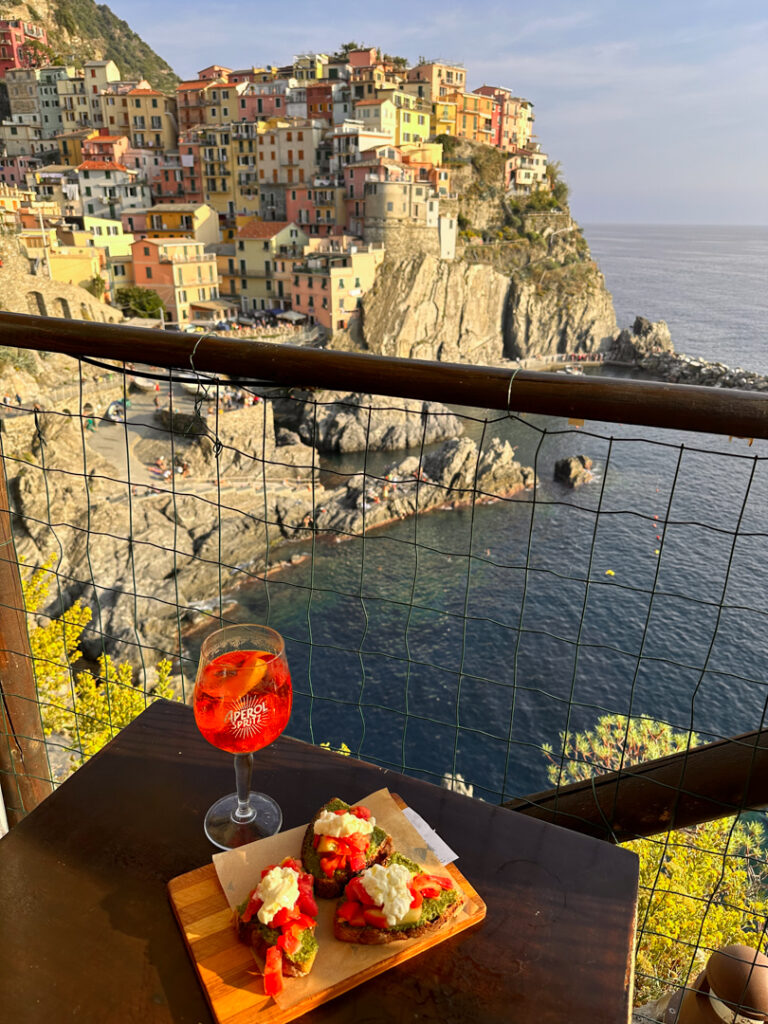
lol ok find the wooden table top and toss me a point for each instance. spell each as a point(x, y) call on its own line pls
point(87, 932)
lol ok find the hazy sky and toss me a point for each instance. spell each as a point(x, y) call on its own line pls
point(657, 111)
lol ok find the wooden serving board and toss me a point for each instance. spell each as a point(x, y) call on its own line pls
point(231, 977)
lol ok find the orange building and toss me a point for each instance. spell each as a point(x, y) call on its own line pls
point(474, 116)
point(179, 270)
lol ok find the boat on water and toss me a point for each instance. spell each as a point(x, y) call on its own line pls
point(574, 371)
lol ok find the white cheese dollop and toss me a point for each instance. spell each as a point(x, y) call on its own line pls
point(388, 887)
point(279, 888)
point(339, 825)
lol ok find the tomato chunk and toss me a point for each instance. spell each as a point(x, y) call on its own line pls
point(306, 902)
point(360, 812)
point(357, 861)
point(352, 912)
point(254, 905)
point(289, 862)
point(290, 940)
point(375, 916)
point(331, 864)
point(355, 890)
point(273, 972)
point(284, 916)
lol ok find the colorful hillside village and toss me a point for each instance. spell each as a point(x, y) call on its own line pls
point(249, 194)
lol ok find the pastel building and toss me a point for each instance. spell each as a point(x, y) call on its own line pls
point(97, 76)
point(108, 188)
point(318, 208)
point(189, 220)
point(435, 80)
point(379, 116)
point(153, 119)
point(20, 43)
point(259, 245)
point(179, 270)
point(327, 287)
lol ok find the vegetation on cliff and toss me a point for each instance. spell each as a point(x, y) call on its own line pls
point(80, 30)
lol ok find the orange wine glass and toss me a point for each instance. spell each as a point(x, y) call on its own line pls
point(242, 703)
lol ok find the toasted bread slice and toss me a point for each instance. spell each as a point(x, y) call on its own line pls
point(433, 913)
point(330, 887)
point(290, 929)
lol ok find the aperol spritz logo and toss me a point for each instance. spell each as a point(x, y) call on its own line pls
point(248, 719)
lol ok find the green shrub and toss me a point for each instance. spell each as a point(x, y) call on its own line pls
point(700, 888)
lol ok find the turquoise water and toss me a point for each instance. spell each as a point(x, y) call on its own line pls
point(461, 641)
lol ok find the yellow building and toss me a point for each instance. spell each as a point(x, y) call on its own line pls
point(412, 117)
point(379, 116)
point(184, 220)
point(308, 67)
point(78, 265)
point(221, 102)
point(443, 119)
point(434, 80)
point(259, 243)
point(229, 156)
point(153, 119)
point(71, 145)
point(99, 233)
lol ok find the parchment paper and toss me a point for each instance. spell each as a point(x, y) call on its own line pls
point(240, 870)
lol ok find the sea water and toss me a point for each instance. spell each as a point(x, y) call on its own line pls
point(463, 641)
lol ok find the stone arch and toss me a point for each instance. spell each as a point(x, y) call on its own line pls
point(85, 312)
point(36, 304)
point(63, 308)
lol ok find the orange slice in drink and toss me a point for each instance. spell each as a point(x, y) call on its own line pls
point(232, 675)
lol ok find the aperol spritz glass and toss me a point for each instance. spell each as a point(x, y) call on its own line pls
point(242, 703)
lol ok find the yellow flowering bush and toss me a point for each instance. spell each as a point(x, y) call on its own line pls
point(89, 710)
point(700, 888)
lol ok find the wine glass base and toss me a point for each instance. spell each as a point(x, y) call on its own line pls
point(226, 833)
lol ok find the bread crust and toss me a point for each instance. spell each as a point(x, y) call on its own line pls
point(331, 888)
point(370, 936)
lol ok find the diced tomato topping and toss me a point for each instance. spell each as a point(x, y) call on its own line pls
point(316, 839)
point(355, 890)
point(357, 861)
point(289, 862)
point(352, 913)
point(331, 864)
point(254, 905)
point(273, 972)
point(357, 842)
point(284, 916)
point(306, 901)
point(290, 940)
point(304, 921)
point(360, 812)
point(267, 870)
point(340, 812)
point(375, 916)
point(430, 885)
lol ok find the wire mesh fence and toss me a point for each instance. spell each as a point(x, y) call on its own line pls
point(498, 602)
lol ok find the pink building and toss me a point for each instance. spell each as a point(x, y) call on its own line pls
point(135, 222)
point(263, 99)
point(364, 58)
point(13, 169)
point(191, 167)
point(104, 146)
point(19, 42)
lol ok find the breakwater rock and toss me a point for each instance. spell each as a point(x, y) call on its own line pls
point(334, 422)
point(682, 369)
point(648, 347)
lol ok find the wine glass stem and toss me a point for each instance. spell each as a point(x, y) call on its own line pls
point(243, 769)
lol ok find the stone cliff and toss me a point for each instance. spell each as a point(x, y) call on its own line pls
point(479, 312)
